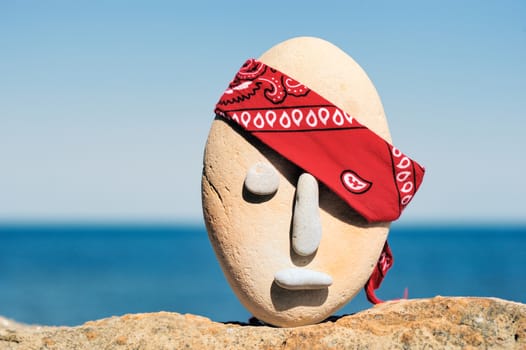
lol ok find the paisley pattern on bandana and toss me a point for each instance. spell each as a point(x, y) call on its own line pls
point(323, 140)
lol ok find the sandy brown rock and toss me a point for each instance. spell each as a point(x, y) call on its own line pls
point(438, 323)
point(251, 235)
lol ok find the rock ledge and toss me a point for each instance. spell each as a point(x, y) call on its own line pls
point(437, 323)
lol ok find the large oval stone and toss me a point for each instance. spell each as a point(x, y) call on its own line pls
point(251, 234)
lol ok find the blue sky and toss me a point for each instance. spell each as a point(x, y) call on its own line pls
point(105, 106)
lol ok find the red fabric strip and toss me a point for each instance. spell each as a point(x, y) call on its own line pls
point(384, 263)
point(372, 176)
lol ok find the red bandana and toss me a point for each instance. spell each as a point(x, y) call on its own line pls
point(371, 175)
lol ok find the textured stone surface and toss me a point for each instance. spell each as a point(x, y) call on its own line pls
point(438, 323)
point(251, 234)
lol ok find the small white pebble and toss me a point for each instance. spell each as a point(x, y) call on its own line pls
point(262, 179)
point(301, 279)
point(306, 223)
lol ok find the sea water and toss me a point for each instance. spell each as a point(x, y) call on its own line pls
point(69, 274)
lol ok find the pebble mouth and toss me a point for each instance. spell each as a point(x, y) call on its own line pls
point(302, 279)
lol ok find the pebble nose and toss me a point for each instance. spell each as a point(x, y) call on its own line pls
point(306, 224)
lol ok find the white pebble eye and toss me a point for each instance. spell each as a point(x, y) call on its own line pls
point(262, 179)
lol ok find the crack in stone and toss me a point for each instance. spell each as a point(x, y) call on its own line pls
point(216, 191)
point(10, 338)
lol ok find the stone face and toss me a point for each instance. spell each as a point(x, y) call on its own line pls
point(438, 323)
point(251, 234)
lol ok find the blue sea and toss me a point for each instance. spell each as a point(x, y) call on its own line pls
point(69, 274)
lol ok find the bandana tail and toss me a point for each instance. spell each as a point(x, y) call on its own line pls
point(384, 263)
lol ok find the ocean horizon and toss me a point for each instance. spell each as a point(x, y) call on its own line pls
point(70, 273)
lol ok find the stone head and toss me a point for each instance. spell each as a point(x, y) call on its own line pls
point(291, 249)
